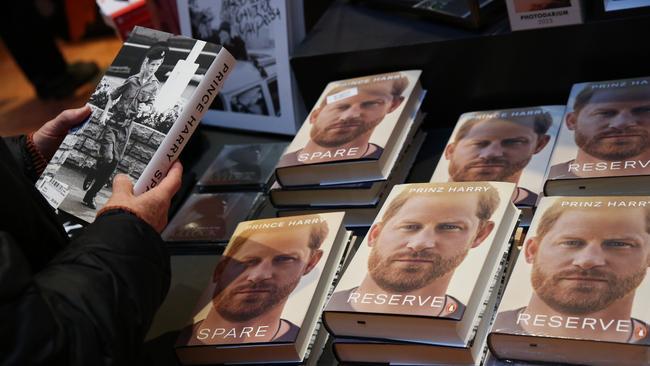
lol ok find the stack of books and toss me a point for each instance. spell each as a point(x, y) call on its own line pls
point(506, 145)
point(579, 293)
point(230, 191)
point(431, 283)
point(423, 285)
point(358, 141)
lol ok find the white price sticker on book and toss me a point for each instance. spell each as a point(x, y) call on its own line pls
point(54, 192)
point(347, 93)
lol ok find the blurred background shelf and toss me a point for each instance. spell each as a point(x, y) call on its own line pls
point(467, 70)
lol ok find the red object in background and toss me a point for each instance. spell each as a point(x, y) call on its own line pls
point(128, 17)
point(79, 14)
point(164, 14)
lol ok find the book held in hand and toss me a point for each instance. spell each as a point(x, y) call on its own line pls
point(267, 291)
point(426, 269)
point(604, 144)
point(579, 292)
point(144, 110)
point(355, 132)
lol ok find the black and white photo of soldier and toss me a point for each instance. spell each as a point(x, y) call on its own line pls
point(133, 99)
point(135, 104)
point(244, 28)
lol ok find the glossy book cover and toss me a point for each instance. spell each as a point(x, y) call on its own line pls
point(507, 145)
point(263, 285)
point(354, 119)
point(425, 250)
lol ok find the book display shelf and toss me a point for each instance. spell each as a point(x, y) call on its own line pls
point(463, 70)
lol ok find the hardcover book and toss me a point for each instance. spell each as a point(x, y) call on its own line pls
point(426, 269)
point(242, 167)
point(261, 95)
point(144, 110)
point(266, 292)
point(364, 194)
point(579, 293)
point(358, 216)
point(508, 145)
point(604, 144)
point(365, 350)
point(352, 194)
point(211, 217)
point(375, 351)
point(354, 132)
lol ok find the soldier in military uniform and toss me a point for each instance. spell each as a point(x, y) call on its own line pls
point(134, 97)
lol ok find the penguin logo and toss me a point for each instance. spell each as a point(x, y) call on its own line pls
point(641, 331)
point(451, 308)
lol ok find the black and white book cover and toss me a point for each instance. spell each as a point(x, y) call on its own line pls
point(242, 166)
point(144, 110)
point(260, 95)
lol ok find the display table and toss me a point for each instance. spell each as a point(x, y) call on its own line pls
point(463, 71)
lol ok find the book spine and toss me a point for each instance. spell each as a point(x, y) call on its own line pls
point(187, 122)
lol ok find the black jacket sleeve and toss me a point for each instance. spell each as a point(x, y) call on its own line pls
point(17, 146)
point(92, 304)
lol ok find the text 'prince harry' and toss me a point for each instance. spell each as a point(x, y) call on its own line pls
point(416, 247)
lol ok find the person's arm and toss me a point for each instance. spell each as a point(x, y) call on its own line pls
point(94, 302)
point(30, 161)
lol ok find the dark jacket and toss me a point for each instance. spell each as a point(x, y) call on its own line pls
point(89, 301)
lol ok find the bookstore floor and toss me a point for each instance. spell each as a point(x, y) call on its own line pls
point(20, 109)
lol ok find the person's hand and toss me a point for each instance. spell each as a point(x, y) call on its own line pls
point(48, 138)
point(151, 206)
